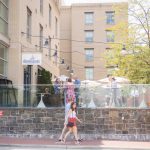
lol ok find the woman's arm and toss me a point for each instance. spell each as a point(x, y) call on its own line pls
point(66, 117)
point(78, 120)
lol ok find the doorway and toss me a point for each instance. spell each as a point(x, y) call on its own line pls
point(27, 86)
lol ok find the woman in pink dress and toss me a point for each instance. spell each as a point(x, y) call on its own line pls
point(70, 94)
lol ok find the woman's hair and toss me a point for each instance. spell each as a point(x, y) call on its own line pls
point(69, 80)
point(73, 109)
point(113, 79)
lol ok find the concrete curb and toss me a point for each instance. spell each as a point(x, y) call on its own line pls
point(72, 146)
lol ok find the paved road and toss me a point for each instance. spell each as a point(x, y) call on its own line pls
point(53, 148)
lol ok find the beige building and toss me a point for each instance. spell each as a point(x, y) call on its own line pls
point(25, 26)
point(85, 36)
point(4, 40)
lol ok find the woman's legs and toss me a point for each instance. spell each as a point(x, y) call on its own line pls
point(63, 132)
point(70, 130)
point(75, 134)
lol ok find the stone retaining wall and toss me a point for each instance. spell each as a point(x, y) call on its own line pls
point(121, 124)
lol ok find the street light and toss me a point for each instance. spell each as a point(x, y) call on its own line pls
point(68, 68)
point(124, 51)
point(62, 62)
point(71, 72)
point(45, 43)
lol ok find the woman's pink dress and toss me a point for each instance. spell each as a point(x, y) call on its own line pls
point(70, 94)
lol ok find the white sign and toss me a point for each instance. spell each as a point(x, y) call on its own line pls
point(31, 58)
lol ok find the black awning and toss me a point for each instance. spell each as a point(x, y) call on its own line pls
point(5, 81)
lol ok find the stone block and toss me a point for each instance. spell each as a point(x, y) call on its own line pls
point(80, 111)
point(26, 127)
point(131, 121)
point(88, 127)
point(89, 117)
point(132, 131)
point(147, 126)
point(6, 113)
point(55, 119)
point(141, 131)
point(97, 113)
point(120, 126)
point(40, 115)
point(28, 121)
point(46, 119)
point(36, 120)
point(59, 115)
point(40, 126)
point(100, 121)
point(107, 121)
point(114, 114)
point(105, 113)
point(124, 132)
point(15, 113)
point(131, 126)
point(109, 131)
point(88, 111)
point(81, 116)
point(147, 119)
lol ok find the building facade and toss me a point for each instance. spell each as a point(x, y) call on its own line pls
point(27, 28)
point(4, 39)
point(85, 29)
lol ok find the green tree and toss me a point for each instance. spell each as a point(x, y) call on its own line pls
point(135, 64)
point(45, 81)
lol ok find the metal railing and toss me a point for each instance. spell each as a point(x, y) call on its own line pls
point(88, 96)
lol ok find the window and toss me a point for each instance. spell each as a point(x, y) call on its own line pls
point(3, 60)
point(89, 73)
point(89, 17)
point(110, 17)
point(89, 54)
point(41, 6)
point(50, 13)
point(29, 13)
point(41, 38)
point(5, 2)
point(4, 17)
point(56, 26)
point(89, 35)
point(110, 36)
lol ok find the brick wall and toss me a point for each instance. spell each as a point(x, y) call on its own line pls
point(122, 124)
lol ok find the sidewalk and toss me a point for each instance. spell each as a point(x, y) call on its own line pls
point(41, 142)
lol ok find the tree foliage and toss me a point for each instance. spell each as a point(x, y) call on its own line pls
point(45, 79)
point(135, 65)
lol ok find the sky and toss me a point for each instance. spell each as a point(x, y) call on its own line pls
point(69, 2)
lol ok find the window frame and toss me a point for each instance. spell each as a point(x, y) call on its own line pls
point(89, 21)
point(89, 77)
point(110, 17)
point(108, 38)
point(4, 60)
point(89, 39)
point(29, 24)
point(89, 58)
point(4, 19)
